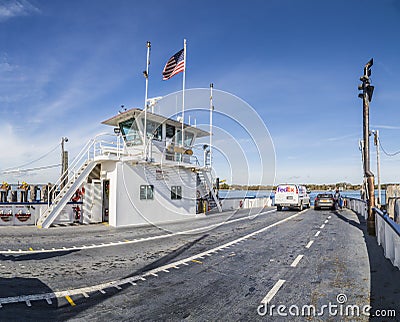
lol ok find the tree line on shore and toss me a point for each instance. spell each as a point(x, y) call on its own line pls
point(312, 187)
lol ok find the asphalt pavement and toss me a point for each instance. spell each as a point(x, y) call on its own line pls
point(276, 266)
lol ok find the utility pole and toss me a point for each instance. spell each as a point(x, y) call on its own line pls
point(378, 164)
point(366, 95)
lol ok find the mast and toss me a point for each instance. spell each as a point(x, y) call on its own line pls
point(211, 121)
point(183, 92)
point(146, 75)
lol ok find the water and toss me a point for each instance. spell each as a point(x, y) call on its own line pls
point(238, 194)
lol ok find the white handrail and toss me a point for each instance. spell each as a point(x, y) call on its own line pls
point(91, 149)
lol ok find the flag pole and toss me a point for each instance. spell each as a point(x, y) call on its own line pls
point(183, 92)
point(146, 75)
point(211, 121)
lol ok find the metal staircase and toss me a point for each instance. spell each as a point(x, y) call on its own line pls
point(206, 188)
point(72, 179)
point(65, 195)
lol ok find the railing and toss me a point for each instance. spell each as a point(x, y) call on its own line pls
point(388, 236)
point(387, 231)
point(95, 147)
point(358, 206)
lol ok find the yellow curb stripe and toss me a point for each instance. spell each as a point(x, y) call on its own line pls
point(30, 248)
point(196, 261)
point(70, 300)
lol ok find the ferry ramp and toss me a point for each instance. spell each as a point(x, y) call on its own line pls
point(226, 266)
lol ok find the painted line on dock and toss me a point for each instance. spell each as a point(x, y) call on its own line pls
point(70, 301)
point(296, 261)
point(309, 244)
point(126, 241)
point(270, 295)
point(133, 279)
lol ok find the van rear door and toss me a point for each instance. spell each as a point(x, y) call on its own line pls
point(287, 195)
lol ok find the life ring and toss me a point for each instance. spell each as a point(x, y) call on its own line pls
point(79, 193)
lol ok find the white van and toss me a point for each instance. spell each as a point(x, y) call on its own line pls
point(292, 196)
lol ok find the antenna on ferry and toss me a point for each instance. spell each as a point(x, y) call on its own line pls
point(146, 76)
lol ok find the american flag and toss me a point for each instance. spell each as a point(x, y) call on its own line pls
point(174, 65)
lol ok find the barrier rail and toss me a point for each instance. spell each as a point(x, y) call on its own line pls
point(387, 231)
point(358, 206)
point(95, 147)
point(388, 236)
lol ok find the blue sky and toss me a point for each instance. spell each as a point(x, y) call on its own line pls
point(65, 66)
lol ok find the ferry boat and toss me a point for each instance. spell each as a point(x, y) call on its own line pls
point(144, 172)
point(129, 180)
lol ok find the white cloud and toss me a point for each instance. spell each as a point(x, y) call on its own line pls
point(386, 127)
point(16, 8)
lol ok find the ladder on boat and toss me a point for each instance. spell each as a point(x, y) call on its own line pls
point(65, 195)
point(207, 187)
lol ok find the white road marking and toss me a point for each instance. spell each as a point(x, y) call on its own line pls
point(322, 226)
point(296, 261)
point(273, 292)
point(85, 294)
point(309, 244)
point(317, 233)
point(329, 217)
point(326, 221)
point(100, 287)
point(20, 251)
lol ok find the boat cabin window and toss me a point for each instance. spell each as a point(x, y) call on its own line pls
point(188, 138)
point(146, 192)
point(176, 192)
point(130, 132)
point(154, 130)
point(170, 131)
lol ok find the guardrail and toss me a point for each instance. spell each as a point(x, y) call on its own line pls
point(97, 146)
point(387, 231)
point(358, 206)
point(388, 236)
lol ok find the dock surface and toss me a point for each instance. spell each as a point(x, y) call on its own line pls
point(228, 266)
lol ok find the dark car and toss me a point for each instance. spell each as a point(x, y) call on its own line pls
point(324, 200)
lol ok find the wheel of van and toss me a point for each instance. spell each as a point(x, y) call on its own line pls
point(279, 208)
point(301, 207)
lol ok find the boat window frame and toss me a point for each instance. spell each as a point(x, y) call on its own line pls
point(176, 192)
point(146, 192)
point(137, 136)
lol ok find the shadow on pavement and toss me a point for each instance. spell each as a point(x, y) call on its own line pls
point(35, 256)
point(57, 311)
point(384, 277)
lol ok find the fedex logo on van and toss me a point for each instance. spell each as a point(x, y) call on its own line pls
point(285, 189)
